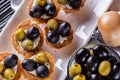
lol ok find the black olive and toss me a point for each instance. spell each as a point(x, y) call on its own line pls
point(29, 64)
point(101, 52)
point(74, 3)
point(50, 9)
point(84, 70)
point(95, 77)
point(115, 73)
point(42, 71)
point(112, 60)
point(82, 55)
point(92, 64)
point(64, 29)
point(32, 33)
point(11, 61)
point(36, 11)
point(53, 37)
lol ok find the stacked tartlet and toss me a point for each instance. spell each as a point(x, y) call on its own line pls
point(70, 5)
point(58, 33)
point(28, 37)
point(42, 10)
point(10, 67)
point(39, 66)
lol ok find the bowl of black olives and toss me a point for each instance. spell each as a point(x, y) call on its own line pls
point(94, 62)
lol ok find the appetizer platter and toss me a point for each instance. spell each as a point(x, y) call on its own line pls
point(43, 34)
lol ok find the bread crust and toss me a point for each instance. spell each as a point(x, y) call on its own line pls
point(19, 67)
point(40, 20)
point(25, 25)
point(29, 76)
point(59, 45)
point(69, 10)
point(109, 26)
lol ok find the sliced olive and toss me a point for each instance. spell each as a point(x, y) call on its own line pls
point(75, 69)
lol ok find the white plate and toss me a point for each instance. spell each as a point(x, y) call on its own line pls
point(85, 20)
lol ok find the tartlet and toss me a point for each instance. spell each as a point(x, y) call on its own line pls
point(67, 8)
point(33, 76)
point(62, 39)
point(44, 17)
point(27, 26)
point(18, 73)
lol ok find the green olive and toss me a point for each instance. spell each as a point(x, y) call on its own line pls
point(20, 35)
point(52, 24)
point(62, 1)
point(41, 58)
point(9, 74)
point(91, 52)
point(41, 2)
point(2, 67)
point(75, 69)
point(104, 68)
point(27, 44)
point(79, 77)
